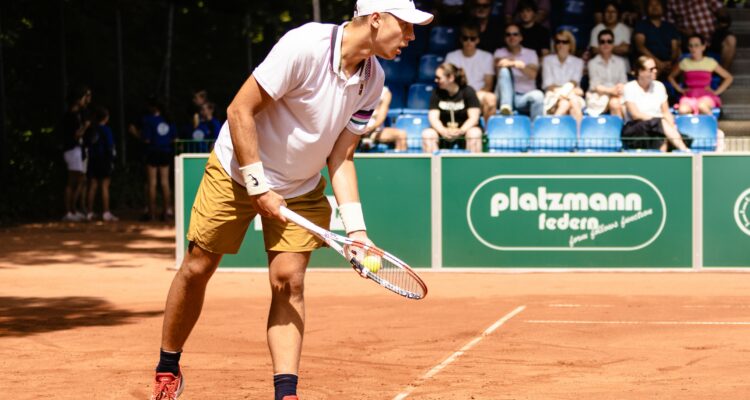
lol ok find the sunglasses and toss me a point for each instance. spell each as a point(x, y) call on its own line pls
point(469, 38)
point(562, 41)
point(652, 69)
point(606, 41)
point(508, 34)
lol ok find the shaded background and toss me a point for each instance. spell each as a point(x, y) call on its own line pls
point(125, 51)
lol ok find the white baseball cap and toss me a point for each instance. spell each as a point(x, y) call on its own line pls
point(402, 9)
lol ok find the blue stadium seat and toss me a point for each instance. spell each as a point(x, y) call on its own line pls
point(554, 134)
point(413, 125)
point(427, 66)
point(702, 128)
point(508, 134)
point(602, 134)
point(400, 70)
point(442, 39)
point(418, 100)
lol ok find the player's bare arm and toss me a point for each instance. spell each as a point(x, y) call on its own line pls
point(344, 182)
point(249, 101)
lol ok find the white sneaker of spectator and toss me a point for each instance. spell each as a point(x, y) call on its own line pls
point(81, 216)
point(109, 217)
point(71, 217)
point(90, 216)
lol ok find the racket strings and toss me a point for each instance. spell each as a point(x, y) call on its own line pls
point(396, 275)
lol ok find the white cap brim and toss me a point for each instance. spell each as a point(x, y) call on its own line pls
point(416, 17)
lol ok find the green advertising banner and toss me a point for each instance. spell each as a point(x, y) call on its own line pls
point(726, 210)
point(395, 192)
point(567, 211)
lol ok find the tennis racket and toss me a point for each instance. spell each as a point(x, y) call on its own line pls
point(368, 261)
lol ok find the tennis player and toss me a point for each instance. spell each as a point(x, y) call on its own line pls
point(303, 108)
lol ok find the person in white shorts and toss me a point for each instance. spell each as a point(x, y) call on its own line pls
point(74, 126)
point(303, 108)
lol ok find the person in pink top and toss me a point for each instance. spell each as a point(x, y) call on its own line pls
point(697, 95)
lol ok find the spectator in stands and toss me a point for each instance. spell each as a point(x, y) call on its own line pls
point(535, 36)
point(207, 130)
point(517, 70)
point(454, 113)
point(158, 134)
point(478, 67)
point(200, 97)
point(608, 75)
point(541, 8)
point(697, 96)
point(649, 120)
point(376, 131)
point(724, 42)
point(448, 12)
point(631, 11)
point(700, 17)
point(208, 124)
point(561, 78)
point(490, 29)
point(74, 126)
point(620, 30)
point(657, 38)
point(101, 150)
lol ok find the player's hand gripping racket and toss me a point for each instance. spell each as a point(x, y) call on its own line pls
point(368, 260)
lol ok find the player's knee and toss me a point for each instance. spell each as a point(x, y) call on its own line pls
point(197, 265)
point(290, 284)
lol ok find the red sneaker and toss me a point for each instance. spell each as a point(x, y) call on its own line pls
point(167, 386)
point(293, 397)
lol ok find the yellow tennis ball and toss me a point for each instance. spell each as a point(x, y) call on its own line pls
point(372, 263)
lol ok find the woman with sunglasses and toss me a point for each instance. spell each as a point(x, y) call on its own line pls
point(454, 113)
point(649, 120)
point(561, 78)
point(697, 96)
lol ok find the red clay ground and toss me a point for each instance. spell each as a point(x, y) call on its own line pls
point(81, 307)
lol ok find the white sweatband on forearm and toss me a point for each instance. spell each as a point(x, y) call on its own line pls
point(255, 178)
point(352, 217)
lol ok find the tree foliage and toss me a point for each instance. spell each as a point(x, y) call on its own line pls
point(50, 45)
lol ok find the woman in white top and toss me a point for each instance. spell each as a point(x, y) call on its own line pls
point(648, 114)
point(561, 78)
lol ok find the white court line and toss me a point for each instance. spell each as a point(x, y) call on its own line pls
point(565, 305)
point(550, 321)
point(457, 354)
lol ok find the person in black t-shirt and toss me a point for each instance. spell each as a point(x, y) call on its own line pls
point(535, 36)
point(454, 113)
point(490, 28)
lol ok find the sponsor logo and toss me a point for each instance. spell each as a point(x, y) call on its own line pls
point(742, 211)
point(566, 212)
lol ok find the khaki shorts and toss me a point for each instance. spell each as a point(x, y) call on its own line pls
point(222, 213)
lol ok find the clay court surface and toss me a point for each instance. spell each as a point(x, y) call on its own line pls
point(81, 308)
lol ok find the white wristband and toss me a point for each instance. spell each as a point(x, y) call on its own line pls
point(351, 216)
point(255, 178)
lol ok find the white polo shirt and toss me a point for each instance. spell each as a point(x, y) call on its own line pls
point(314, 103)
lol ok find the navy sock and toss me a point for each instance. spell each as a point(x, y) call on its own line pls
point(169, 362)
point(285, 385)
